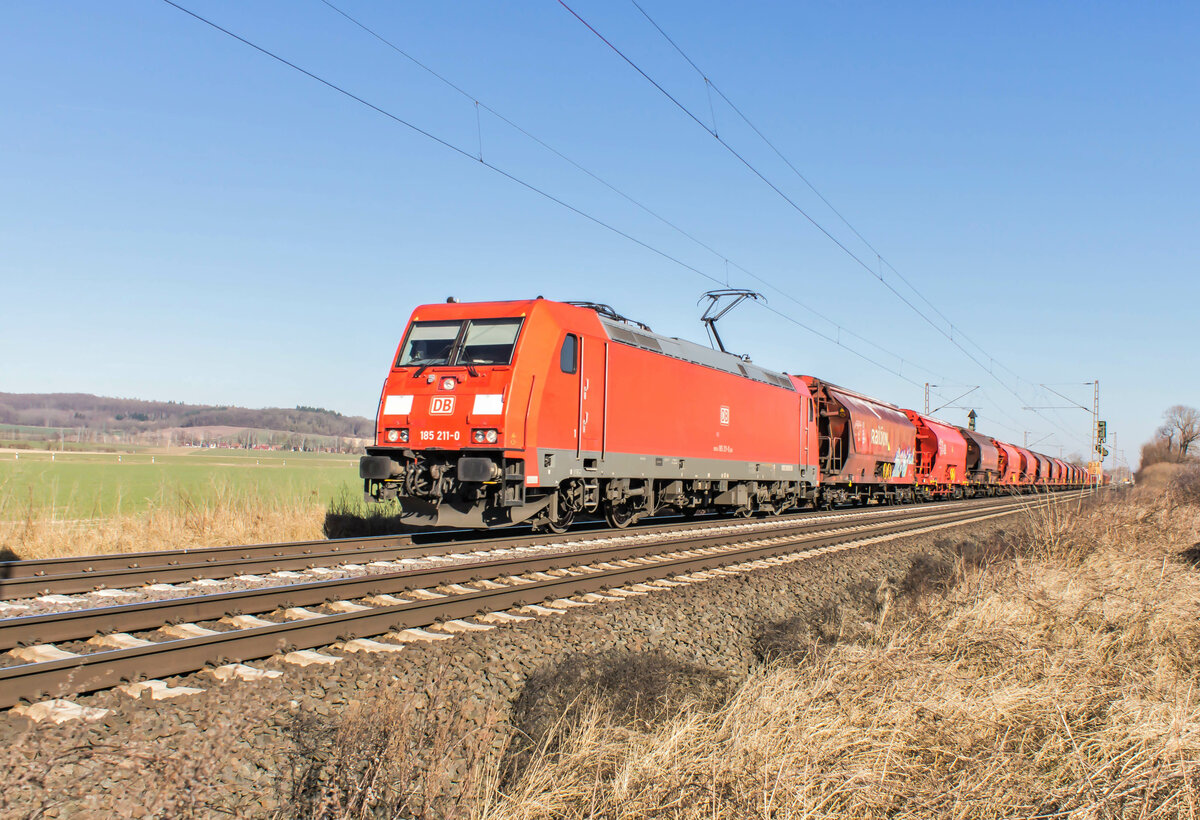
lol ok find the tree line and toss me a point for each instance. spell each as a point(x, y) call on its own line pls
point(135, 416)
point(1173, 441)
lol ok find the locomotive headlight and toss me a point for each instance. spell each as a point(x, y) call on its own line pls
point(449, 384)
point(393, 435)
point(485, 436)
point(492, 436)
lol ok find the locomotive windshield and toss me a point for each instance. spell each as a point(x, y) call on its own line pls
point(489, 341)
point(484, 342)
point(429, 343)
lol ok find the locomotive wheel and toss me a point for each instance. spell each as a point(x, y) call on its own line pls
point(562, 524)
point(620, 516)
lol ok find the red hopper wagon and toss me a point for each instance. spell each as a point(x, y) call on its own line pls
point(941, 458)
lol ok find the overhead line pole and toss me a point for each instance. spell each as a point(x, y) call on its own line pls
point(1097, 447)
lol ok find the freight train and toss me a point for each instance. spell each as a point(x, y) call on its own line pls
point(538, 412)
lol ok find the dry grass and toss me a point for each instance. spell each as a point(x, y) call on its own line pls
point(221, 515)
point(404, 753)
point(1061, 683)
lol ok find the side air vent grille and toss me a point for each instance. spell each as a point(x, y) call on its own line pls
point(648, 342)
point(696, 354)
point(620, 334)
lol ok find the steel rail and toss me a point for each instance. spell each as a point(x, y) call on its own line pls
point(316, 549)
point(64, 576)
point(107, 668)
point(131, 569)
point(143, 615)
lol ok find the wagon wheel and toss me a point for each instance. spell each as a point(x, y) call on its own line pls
point(620, 515)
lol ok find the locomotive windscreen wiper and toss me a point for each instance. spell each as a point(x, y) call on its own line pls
point(421, 365)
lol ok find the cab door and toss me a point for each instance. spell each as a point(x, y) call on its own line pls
point(593, 378)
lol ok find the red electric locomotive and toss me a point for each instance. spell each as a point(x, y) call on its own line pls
point(536, 411)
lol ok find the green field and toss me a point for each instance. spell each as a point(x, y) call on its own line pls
point(72, 485)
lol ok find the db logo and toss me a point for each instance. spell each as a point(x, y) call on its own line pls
point(441, 405)
point(725, 415)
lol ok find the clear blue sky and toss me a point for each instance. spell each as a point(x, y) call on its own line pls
point(184, 218)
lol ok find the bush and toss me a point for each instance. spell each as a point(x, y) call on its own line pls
point(1185, 485)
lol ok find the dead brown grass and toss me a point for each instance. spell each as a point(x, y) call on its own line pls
point(220, 517)
point(1059, 683)
point(404, 753)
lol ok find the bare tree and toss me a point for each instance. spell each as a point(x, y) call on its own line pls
point(1181, 427)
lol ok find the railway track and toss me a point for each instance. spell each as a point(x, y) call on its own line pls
point(66, 576)
point(91, 649)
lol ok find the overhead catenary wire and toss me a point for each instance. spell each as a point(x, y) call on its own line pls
point(948, 334)
point(479, 104)
point(711, 87)
point(506, 174)
point(753, 169)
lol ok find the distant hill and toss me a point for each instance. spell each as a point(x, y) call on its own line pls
point(101, 417)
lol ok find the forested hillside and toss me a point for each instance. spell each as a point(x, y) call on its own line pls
point(134, 416)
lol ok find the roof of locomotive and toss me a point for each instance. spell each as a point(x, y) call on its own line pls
point(624, 331)
point(691, 352)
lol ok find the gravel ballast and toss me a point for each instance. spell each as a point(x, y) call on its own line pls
point(429, 723)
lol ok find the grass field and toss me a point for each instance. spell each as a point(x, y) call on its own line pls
point(73, 485)
point(75, 503)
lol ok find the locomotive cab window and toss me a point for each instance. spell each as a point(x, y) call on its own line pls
point(489, 341)
point(484, 342)
point(568, 358)
point(429, 343)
